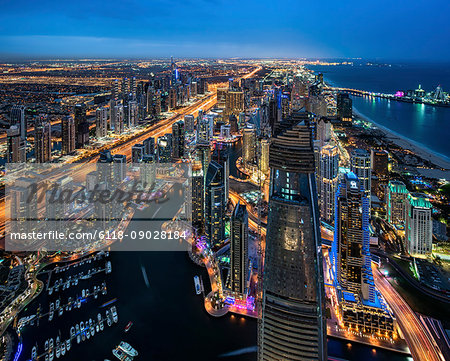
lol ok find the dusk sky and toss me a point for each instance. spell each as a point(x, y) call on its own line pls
point(416, 29)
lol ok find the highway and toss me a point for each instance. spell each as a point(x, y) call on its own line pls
point(416, 336)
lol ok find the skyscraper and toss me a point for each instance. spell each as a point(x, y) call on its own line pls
point(189, 123)
point(81, 126)
point(248, 145)
point(344, 107)
point(419, 225)
point(293, 321)
point(362, 307)
point(234, 102)
point(148, 171)
point(239, 249)
point(67, 135)
point(214, 203)
point(137, 153)
point(352, 263)
point(101, 122)
point(360, 165)
point(328, 177)
point(264, 158)
point(198, 196)
point(16, 152)
point(396, 197)
point(149, 145)
point(379, 160)
point(164, 149)
point(178, 139)
point(17, 117)
point(42, 140)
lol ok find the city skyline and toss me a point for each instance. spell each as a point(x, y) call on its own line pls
point(137, 29)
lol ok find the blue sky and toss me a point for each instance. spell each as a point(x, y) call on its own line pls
point(394, 29)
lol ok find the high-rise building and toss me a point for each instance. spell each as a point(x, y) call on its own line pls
point(172, 98)
point(67, 135)
point(42, 140)
point(16, 145)
point(101, 122)
point(214, 203)
point(323, 131)
point(132, 114)
point(264, 158)
point(198, 196)
point(234, 102)
point(149, 145)
point(117, 115)
point(178, 140)
point(148, 171)
point(379, 160)
point(164, 149)
point(120, 167)
point(293, 324)
point(204, 130)
point(81, 126)
point(221, 97)
point(328, 177)
point(189, 123)
point(248, 145)
point(239, 250)
point(137, 153)
point(353, 263)
point(362, 307)
point(396, 197)
point(344, 107)
point(419, 225)
point(17, 117)
point(360, 165)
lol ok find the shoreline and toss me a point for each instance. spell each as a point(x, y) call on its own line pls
point(404, 142)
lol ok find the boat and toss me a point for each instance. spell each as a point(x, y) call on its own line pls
point(34, 353)
point(57, 303)
point(108, 318)
point(126, 347)
point(120, 354)
point(88, 334)
point(68, 344)
point(108, 267)
point(83, 293)
point(46, 345)
point(60, 312)
point(198, 288)
point(72, 332)
point(58, 348)
point(91, 327)
point(97, 328)
point(52, 308)
point(50, 346)
point(63, 349)
point(77, 328)
point(46, 357)
point(114, 314)
point(128, 326)
point(83, 334)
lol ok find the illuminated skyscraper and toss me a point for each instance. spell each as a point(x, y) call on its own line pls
point(42, 140)
point(239, 249)
point(149, 145)
point(17, 117)
point(148, 171)
point(67, 135)
point(396, 197)
point(264, 159)
point(101, 122)
point(362, 307)
point(293, 321)
point(16, 152)
point(189, 123)
point(344, 107)
point(214, 203)
point(234, 102)
point(328, 177)
point(178, 137)
point(419, 225)
point(360, 165)
point(248, 145)
point(81, 126)
point(137, 153)
point(164, 149)
point(379, 160)
point(353, 268)
point(198, 196)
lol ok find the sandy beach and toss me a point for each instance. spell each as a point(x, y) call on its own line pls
point(437, 159)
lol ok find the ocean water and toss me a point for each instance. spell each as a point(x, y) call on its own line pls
point(427, 125)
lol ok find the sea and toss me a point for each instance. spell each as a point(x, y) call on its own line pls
point(425, 125)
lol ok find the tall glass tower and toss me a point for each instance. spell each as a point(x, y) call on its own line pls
point(293, 324)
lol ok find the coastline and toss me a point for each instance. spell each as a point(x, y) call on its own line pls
point(402, 141)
